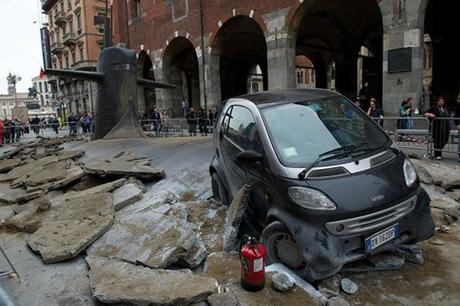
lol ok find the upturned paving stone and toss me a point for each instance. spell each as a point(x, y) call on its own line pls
point(61, 208)
point(9, 195)
point(119, 167)
point(437, 173)
point(234, 217)
point(126, 195)
point(6, 212)
point(157, 236)
point(114, 281)
point(330, 287)
point(61, 240)
point(8, 164)
point(64, 155)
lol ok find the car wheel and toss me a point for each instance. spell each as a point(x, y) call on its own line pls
point(281, 247)
point(218, 190)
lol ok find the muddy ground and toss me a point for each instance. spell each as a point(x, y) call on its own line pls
point(436, 282)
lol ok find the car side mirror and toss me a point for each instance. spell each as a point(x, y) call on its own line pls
point(249, 156)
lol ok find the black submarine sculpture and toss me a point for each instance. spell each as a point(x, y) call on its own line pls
point(117, 92)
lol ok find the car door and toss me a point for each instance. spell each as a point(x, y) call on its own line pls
point(238, 130)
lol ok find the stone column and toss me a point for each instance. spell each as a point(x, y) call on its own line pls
point(211, 79)
point(280, 51)
point(402, 28)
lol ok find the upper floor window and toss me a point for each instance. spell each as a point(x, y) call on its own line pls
point(82, 55)
point(135, 8)
point(61, 5)
point(78, 21)
point(69, 5)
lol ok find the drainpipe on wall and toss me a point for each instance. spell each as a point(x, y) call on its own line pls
point(203, 62)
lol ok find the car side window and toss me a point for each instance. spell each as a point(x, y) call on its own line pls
point(225, 120)
point(242, 129)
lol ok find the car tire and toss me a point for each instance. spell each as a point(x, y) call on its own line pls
point(281, 247)
point(218, 189)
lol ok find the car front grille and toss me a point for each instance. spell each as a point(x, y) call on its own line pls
point(328, 172)
point(373, 221)
point(382, 159)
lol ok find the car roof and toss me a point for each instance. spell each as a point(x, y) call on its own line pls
point(270, 98)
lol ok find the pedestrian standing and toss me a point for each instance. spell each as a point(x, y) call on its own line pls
point(440, 126)
point(457, 123)
point(184, 108)
point(375, 112)
point(202, 122)
point(72, 124)
point(191, 121)
point(210, 120)
point(6, 131)
point(156, 117)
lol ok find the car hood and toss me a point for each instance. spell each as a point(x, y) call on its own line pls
point(368, 191)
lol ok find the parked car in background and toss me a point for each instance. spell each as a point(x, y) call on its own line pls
point(328, 185)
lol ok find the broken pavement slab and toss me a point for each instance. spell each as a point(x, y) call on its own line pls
point(9, 195)
point(8, 164)
point(223, 267)
point(114, 281)
point(126, 195)
point(235, 214)
point(437, 173)
point(156, 235)
point(118, 167)
point(61, 240)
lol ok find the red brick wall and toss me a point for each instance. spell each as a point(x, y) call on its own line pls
point(155, 25)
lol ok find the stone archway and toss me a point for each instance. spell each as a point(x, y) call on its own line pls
point(329, 30)
point(180, 68)
point(146, 96)
point(239, 46)
point(441, 65)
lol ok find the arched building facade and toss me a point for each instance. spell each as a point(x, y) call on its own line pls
point(215, 49)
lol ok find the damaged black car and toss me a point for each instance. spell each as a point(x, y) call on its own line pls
point(329, 186)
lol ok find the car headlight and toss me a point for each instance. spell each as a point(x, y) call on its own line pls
point(409, 173)
point(310, 198)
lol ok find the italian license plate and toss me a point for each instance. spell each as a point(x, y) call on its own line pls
point(381, 237)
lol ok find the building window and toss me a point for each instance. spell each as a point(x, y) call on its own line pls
point(74, 58)
point(179, 9)
point(100, 27)
point(51, 20)
point(78, 21)
point(60, 64)
point(135, 8)
point(69, 5)
point(46, 86)
point(66, 61)
point(40, 88)
point(71, 25)
point(82, 55)
point(300, 76)
point(61, 5)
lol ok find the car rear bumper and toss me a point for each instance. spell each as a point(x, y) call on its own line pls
point(327, 250)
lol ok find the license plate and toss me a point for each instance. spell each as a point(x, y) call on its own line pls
point(381, 237)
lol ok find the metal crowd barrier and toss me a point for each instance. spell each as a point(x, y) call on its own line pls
point(445, 135)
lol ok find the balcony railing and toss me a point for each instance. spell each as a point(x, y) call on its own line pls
point(70, 38)
point(57, 47)
point(60, 19)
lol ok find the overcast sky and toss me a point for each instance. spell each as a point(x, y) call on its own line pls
point(20, 50)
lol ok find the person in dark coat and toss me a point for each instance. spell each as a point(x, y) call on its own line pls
point(202, 122)
point(156, 120)
point(440, 126)
point(375, 112)
point(191, 122)
point(457, 123)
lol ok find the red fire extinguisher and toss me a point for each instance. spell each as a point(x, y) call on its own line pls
point(252, 255)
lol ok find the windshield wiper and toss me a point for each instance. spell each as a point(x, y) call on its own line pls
point(340, 152)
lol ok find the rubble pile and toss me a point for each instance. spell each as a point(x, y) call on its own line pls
point(442, 183)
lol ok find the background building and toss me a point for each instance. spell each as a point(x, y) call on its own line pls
point(75, 43)
point(209, 48)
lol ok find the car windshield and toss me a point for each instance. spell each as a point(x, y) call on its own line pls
point(303, 132)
